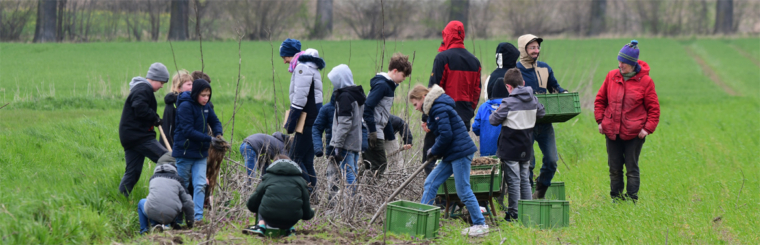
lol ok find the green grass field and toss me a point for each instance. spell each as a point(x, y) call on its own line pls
point(61, 161)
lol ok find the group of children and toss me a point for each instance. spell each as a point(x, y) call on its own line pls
point(353, 124)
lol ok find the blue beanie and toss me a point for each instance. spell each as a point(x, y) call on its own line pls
point(290, 47)
point(629, 54)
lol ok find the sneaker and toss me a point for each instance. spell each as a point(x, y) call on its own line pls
point(510, 217)
point(161, 228)
point(476, 230)
point(255, 230)
point(291, 232)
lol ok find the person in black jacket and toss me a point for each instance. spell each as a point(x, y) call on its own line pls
point(506, 58)
point(181, 82)
point(396, 125)
point(138, 117)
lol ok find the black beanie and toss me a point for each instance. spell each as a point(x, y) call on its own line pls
point(198, 86)
point(499, 89)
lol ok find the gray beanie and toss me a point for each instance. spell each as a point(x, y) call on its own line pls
point(158, 72)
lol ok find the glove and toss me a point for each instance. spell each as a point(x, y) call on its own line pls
point(293, 117)
point(158, 122)
point(319, 153)
point(430, 155)
point(219, 143)
point(337, 156)
point(372, 139)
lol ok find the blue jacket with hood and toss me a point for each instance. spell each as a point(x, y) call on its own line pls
point(452, 141)
point(191, 139)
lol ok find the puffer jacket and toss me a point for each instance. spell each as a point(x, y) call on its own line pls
point(191, 138)
point(377, 108)
point(506, 58)
point(537, 75)
point(452, 140)
point(625, 107)
point(323, 123)
point(349, 108)
point(517, 115)
point(305, 91)
point(489, 134)
point(167, 198)
point(281, 198)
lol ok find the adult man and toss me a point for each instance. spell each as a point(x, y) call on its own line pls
point(540, 77)
point(457, 71)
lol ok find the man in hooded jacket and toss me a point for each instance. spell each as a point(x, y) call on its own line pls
point(457, 71)
point(540, 77)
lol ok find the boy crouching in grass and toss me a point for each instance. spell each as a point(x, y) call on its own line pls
point(517, 114)
point(167, 200)
point(281, 199)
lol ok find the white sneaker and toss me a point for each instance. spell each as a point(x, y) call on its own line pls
point(476, 230)
point(161, 228)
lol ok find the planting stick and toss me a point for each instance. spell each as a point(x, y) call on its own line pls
point(6, 104)
point(398, 190)
point(163, 136)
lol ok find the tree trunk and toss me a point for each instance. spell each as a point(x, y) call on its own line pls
point(44, 30)
point(598, 9)
point(178, 20)
point(323, 24)
point(724, 17)
point(459, 10)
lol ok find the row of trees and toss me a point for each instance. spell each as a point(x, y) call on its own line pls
point(87, 20)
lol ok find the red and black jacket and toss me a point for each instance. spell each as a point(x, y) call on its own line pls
point(457, 71)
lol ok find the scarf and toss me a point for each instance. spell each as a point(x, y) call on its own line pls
point(294, 62)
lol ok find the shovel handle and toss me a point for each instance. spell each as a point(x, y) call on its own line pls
point(163, 136)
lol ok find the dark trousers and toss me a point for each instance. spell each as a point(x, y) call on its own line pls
point(622, 153)
point(426, 145)
point(302, 152)
point(135, 158)
point(376, 158)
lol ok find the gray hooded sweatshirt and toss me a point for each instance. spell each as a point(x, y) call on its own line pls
point(138, 80)
point(349, 109)
point(166, 197)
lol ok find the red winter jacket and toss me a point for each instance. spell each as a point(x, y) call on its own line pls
point(625, 107)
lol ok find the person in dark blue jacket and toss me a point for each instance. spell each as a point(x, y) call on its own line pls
point(191, 139)
point(540, 77)
point(323, 123)
point(453, 146)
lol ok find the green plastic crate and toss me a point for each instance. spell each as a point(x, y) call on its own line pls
point(559, 107)
point(412, 218)
point(544, 214)
point(478, 183)
point(555, 192)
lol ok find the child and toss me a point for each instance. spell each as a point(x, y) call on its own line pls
point(264, 147)
point(323, 123)
point(138, 117)
point(397, 126)
point(191, 139)
point(517, 115)
point(281, 199)
point(347, 120)
point(181, 82)
point(377, 109)
point(489, 134)
point(453, 146)
point(305, 96)
point(167, 199)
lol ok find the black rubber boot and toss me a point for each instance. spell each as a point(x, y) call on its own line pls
point(540, 191)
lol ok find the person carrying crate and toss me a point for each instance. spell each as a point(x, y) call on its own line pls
point(517, 115)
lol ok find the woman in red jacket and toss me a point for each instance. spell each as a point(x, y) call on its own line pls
point(627, 110)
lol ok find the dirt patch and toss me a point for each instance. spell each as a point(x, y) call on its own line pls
point(484, 161)
point(710, 73)
point(745, 54)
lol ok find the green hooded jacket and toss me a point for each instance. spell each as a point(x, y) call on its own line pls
point(282, 198)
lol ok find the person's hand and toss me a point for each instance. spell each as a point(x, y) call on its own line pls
point(600, 129)
point(157, 122)
point(430, 155)
point(337, 156)
point(643, 134)
point(218, 143)
point(319, 153)
point(425, 128)
point(372, 139)
point(407, 146)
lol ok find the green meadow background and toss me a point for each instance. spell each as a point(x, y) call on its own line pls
point(61, 160)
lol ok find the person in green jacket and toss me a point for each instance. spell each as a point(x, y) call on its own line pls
point(281, 199)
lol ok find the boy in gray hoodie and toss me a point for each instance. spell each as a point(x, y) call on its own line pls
point(517, 115)
point(347, 121)
point(167, 198)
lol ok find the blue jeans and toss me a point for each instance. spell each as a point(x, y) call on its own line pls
point(250, 156)
point(543, 133)
point(196, 167)
point(145, 223)
point(461, 170)
point(348, 165)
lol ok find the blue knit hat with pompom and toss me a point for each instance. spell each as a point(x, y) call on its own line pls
point(629, 54)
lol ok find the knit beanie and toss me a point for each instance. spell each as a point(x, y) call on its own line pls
point(290, 47)
point(158, 72)
point(499, 89)
point(629, 54)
